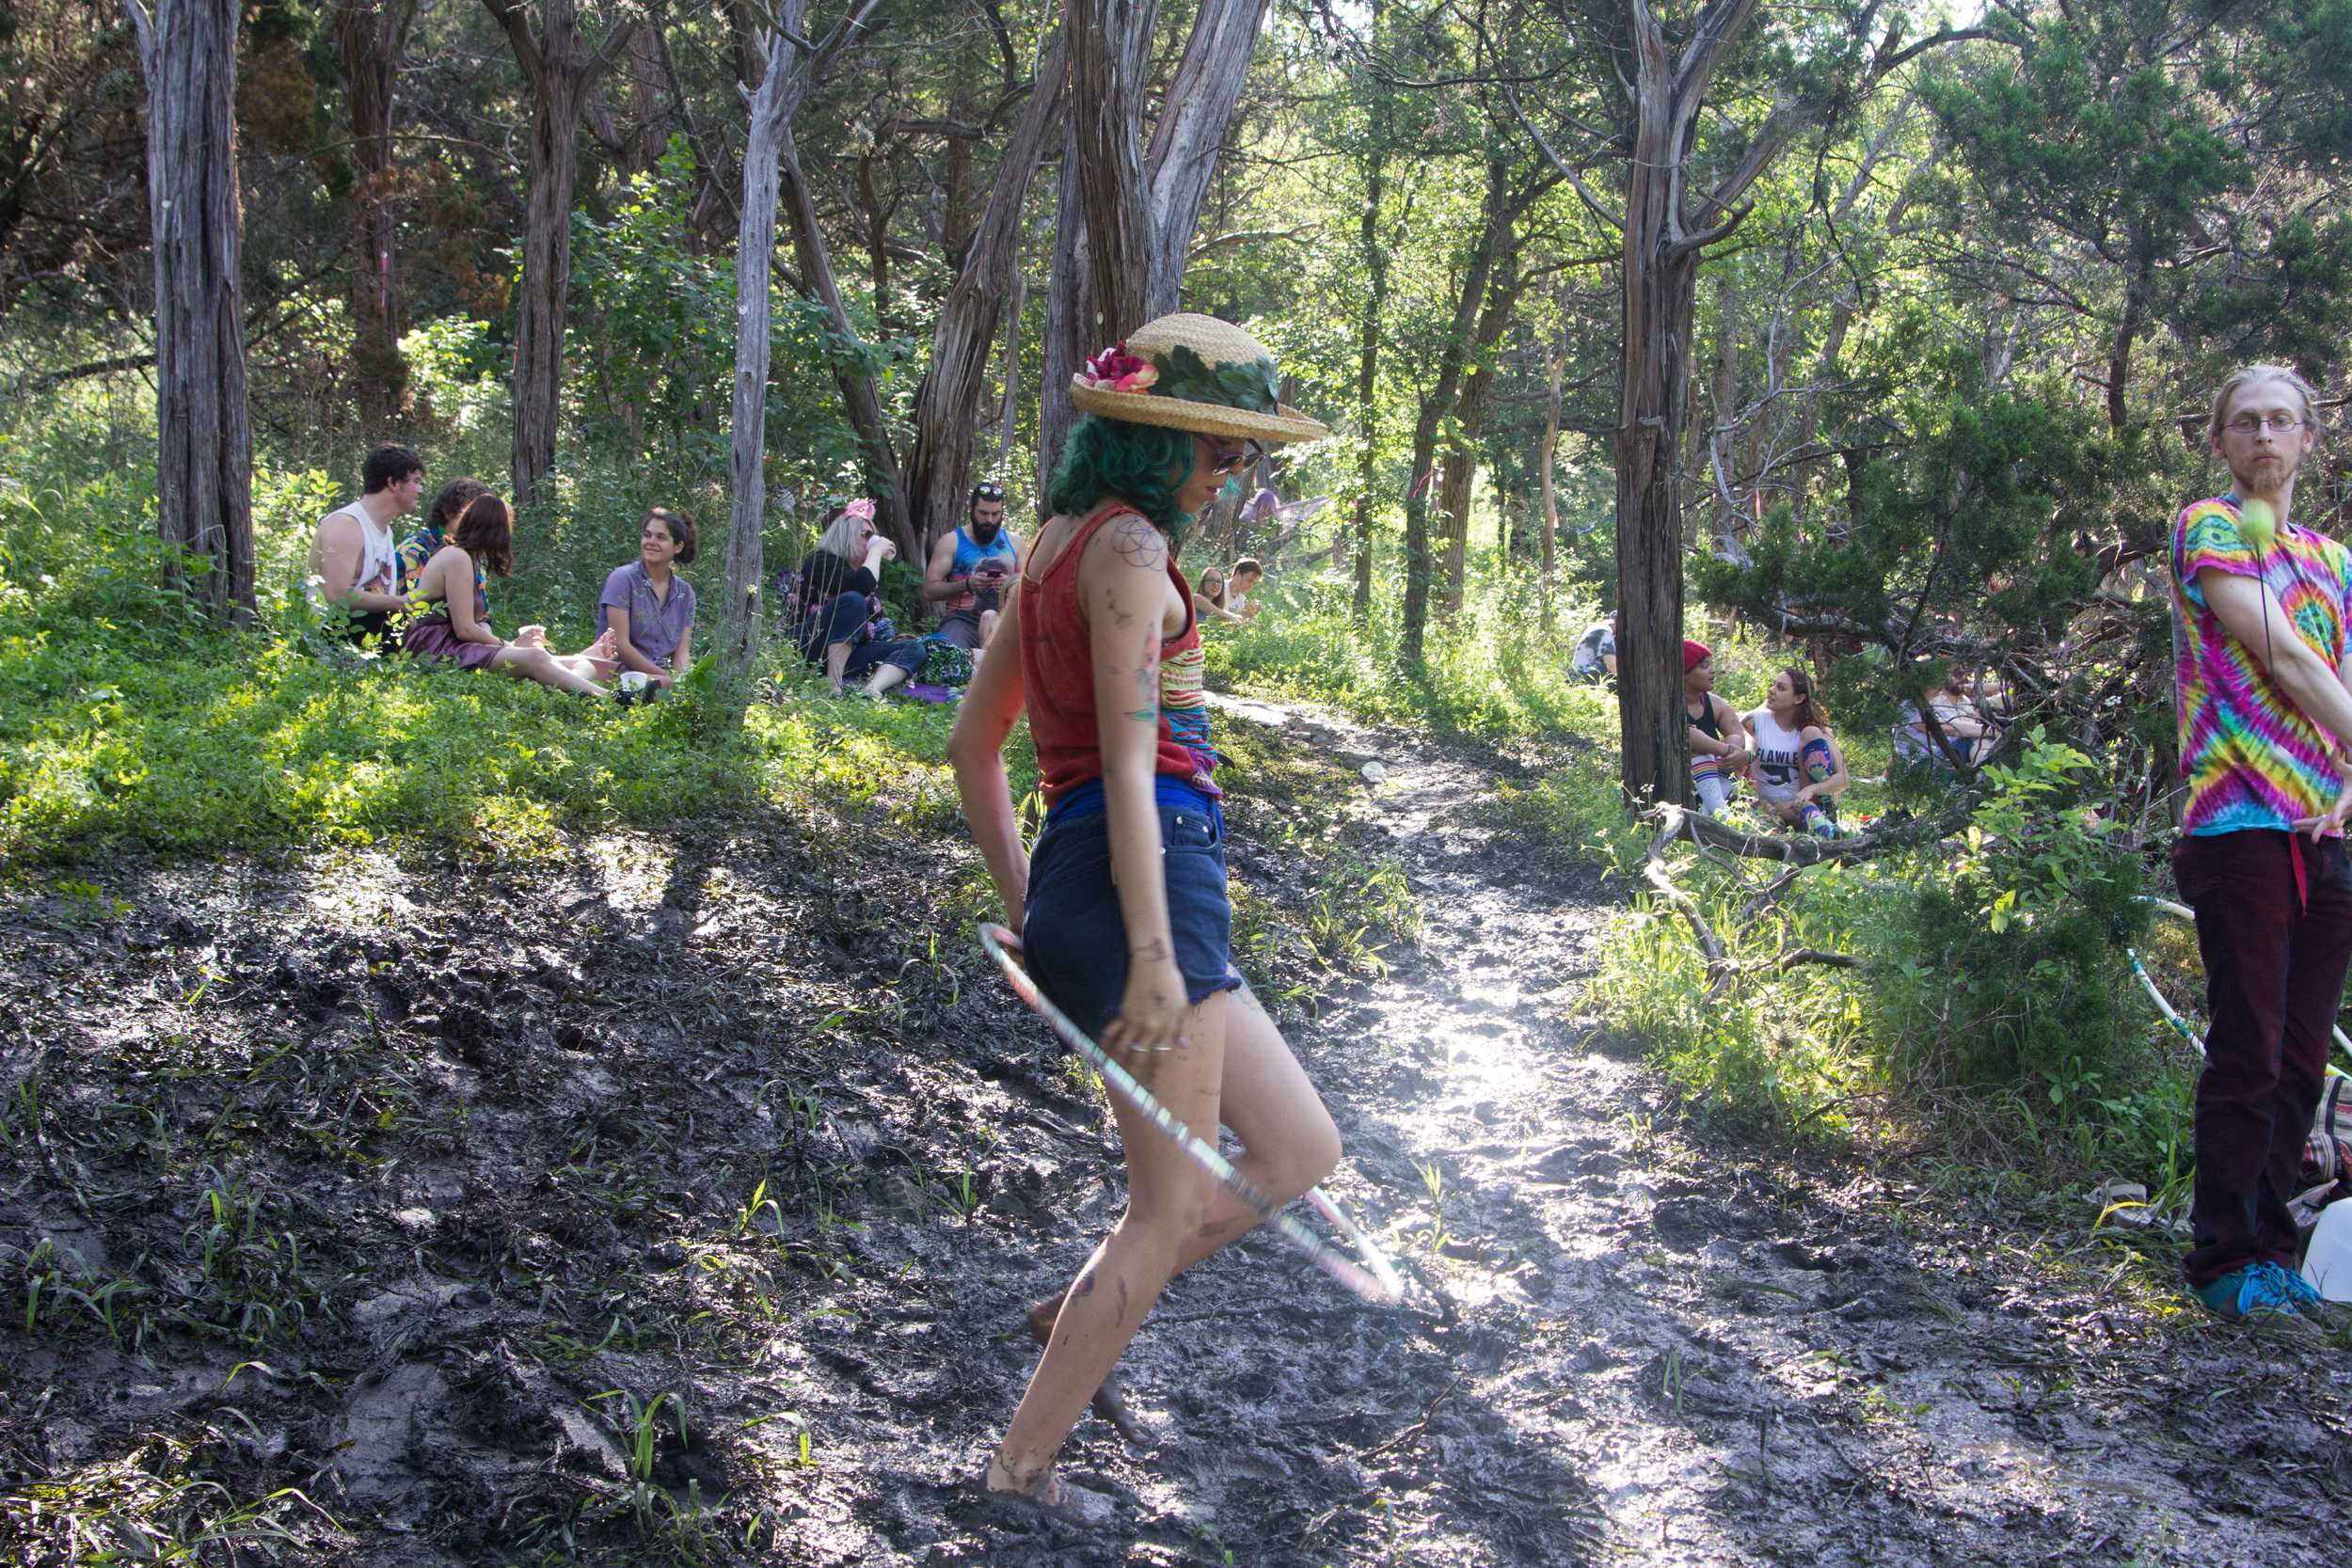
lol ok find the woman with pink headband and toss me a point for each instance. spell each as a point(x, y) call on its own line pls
point(841, 585)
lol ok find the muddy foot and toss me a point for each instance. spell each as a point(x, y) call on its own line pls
point(1109, 1402)
point(1049, 1498)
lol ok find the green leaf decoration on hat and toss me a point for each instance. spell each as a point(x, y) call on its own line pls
point(1233, 383)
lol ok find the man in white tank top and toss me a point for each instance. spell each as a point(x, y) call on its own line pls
point(353, 558)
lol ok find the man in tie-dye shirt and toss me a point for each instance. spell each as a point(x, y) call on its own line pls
point(2261, 647)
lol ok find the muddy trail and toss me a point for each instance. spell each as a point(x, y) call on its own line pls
point(679, 1203)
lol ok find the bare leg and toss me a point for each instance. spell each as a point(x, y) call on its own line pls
point(836, 660)
point(1176, 1212)
point(988, 625)
point(884, 678)
point(537, 664)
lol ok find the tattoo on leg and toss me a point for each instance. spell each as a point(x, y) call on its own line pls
point(1085, 1286)
point(1122, 1298)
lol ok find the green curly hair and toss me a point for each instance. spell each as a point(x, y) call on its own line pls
point(1132, 461)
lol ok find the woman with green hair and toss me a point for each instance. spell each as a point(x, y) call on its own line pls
point(1122, 909)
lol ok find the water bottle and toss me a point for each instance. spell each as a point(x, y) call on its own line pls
point(2327, 1262)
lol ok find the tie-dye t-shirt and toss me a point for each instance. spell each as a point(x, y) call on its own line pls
point(2251, 757)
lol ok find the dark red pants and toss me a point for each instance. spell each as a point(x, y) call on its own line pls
point(2275, 956)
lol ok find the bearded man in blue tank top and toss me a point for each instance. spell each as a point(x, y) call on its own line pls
point(969, 567)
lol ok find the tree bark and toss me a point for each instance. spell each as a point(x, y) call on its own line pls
point(783, 85)
point(1437, 403)
point(204, 451)
point(370, 37)
point(949, 408)
point(858, 395)
point(1368, 363)
point(1661, 270)
point(1127, 222)
point(1470, 418)
point(1109, 43)
point(561, 66)
point(1547, 457)
point(1190, 133)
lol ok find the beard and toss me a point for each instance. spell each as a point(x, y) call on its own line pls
point(985, 533)
point(2264, 473)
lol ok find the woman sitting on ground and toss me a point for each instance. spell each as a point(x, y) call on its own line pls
point(1798, 767)
point(1122, 909)
point(841, 582)
point(1719, 751)
point(1208, 595)
point(456, 625)
point(646, 608)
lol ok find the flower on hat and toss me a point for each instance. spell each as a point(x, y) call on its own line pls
point(861, 509)
point(1115, 369)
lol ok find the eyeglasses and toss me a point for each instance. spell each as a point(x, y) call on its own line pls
point(2278, 424)
point(988, 492)
point(1228, 461)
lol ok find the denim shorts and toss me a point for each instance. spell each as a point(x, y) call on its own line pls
point(1073, 934)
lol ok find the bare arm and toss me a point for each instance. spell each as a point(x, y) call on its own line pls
point(335, 558)
point(1210, 608)
point(1125, 589)
point(976, 750)
point(2249, 612)
point(616, 618)
point(684, 660)
point(452, 570)
point(936, 584)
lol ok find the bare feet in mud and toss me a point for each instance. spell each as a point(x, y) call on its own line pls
point(1048, 1495)
point(1109, 1402)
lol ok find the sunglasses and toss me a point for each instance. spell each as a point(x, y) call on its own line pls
point(988, 492)
point(1228, 461)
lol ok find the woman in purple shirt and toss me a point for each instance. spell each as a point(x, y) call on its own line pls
point(646, 606)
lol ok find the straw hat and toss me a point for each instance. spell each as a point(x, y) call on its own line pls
point(1192, 373)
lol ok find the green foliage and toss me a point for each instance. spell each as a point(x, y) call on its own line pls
point(1229, 384)
point(2004, 965)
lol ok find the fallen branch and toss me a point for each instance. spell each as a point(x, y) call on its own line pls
point(1804, 850)
point(1721, 969)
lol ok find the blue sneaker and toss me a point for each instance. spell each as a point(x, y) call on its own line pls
point(2305, 1298)
point(2256, 1292)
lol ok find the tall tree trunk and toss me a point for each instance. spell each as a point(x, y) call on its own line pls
point(1368, 332)
point(1437, 403)
point(949, 408)
point(1709, 440)
point(1470, 419)
point(783, 85)
point(1199, 102)
point(858, 394)
point(1660, 267)
point(561, 66)
point(1109, 43)
point(1105, 285)
point(370, 37)
point(204, 451)
point(1547, 457)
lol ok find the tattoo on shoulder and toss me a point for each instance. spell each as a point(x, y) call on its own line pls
point(1137, 541)
point(1122, 619)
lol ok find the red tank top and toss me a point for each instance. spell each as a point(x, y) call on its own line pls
point(1057, 673)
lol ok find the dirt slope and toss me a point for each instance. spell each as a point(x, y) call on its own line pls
point(484, 1166)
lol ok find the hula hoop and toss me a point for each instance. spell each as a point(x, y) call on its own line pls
point(1375, 1279)
point(2182, 911)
